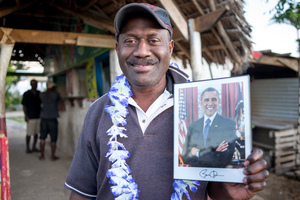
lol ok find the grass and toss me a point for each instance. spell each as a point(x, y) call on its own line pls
point(18, 119)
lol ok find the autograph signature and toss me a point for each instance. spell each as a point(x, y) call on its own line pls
point(205, 173)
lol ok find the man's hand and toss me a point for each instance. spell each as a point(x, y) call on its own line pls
point(26, 118)
point(223, 146)
point(256, 173)
point(254, 181)
point(194, 151)
point(25, 114)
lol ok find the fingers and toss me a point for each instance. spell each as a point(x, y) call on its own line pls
point(223, 146)
point(255, 169)
point(255, 187)
point(256, 182)
point(259, 177)
point(194, 150)
point(254, 156)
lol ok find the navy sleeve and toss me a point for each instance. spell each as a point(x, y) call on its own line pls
point(82, 174)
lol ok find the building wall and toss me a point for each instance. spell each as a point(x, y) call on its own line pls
point(276, 99)
point(208, 71)
point(70, 125)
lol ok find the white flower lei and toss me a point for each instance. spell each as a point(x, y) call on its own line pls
point(124, 186)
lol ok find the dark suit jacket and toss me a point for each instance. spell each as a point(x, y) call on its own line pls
point(221, 129)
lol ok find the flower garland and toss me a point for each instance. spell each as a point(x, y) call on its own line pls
point(124, 186)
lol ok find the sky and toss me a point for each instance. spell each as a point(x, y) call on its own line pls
point(267, 35)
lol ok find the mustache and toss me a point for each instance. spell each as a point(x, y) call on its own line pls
point(137, 61)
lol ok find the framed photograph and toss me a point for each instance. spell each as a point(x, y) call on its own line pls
point(212, 129)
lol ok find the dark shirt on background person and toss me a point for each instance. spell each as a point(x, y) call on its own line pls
point(32, 107)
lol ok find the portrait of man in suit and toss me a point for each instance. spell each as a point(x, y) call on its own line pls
point(210, 140)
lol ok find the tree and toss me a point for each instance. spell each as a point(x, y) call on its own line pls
point(10, 99)
point(288, 12)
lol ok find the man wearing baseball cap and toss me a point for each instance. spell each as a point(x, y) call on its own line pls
point(125, 150)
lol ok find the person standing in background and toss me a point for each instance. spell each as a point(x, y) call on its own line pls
point(32, 107)
point(49, 114)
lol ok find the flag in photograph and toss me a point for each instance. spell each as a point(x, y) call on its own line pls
point(182, 123)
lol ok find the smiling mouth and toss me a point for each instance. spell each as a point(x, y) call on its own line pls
point(210, 108)
point(141, 69)
point(141, 65)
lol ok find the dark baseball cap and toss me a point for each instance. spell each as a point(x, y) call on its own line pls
point(161, 15)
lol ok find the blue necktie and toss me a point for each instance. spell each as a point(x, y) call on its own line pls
point(205, 131)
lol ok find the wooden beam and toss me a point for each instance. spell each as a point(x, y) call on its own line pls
point(9, 10)
point(292, 64)
point(184, 50)
point(99, 23)
point(219, 47)
point(88, 5)
point(208, 21)
point(277, 61)
point(208, 53)
point(237, 59)
point(198, 7)
point(224, 47)
point(6, 36)
point(100, 11)
point(61, 38)
point(176, 35)
point(99, 42)
point(213, 30)
point(176, 17)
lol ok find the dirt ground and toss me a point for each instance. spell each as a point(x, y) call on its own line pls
point(280, 188)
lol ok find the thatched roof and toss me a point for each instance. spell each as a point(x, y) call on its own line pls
point(229, 37)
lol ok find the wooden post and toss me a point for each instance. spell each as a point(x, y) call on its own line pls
point(115, 69)
point(196, 53)
point(5, 55)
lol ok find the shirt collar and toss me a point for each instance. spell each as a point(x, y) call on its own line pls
point(211, 118)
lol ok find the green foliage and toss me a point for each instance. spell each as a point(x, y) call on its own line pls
point(10, 80)
point(10, 99)
point(288, 12)
point(17, 119)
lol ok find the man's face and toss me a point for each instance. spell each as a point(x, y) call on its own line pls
point(210, 102)
point(33, 85)
point(144, 52)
